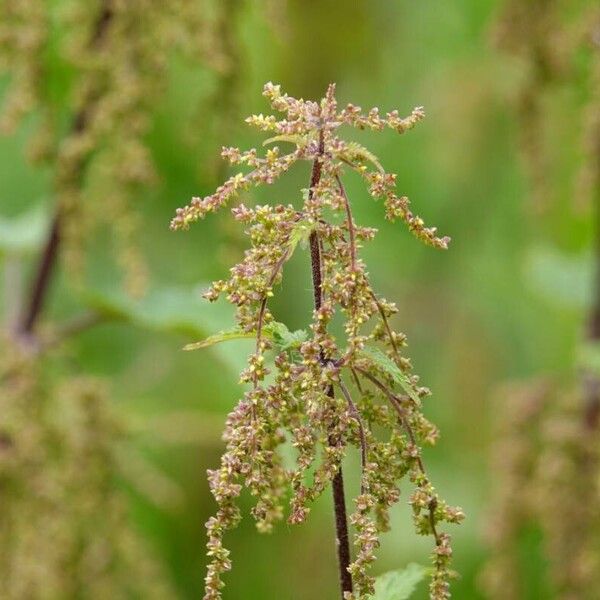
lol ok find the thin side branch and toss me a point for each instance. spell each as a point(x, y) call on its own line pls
point(386, 324)
point(263, 304)
point(395, 402)
point(364, 448)
point(349, 221)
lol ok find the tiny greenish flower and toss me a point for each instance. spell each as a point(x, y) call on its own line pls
point(322, 394)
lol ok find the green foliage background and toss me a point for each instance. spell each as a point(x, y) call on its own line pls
point(476, 316)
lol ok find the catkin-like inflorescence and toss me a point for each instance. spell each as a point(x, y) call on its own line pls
point(546, 463)
point(118, 53)
point(321, 393)
point(64, 524)
point(548, 37)
point(519, 410)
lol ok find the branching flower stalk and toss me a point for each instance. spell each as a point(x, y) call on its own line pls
point(322, 394)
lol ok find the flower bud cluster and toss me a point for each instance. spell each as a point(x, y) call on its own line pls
point(267, 171)
point(308, 397)
point(64, 525)
point(353, 115)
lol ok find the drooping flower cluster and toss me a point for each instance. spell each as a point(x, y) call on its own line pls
point(546, 464)
point(519, 410)
point(64, 525)
point(320, 393)
point(549, 36)
point(117, 54)
point(548, 456)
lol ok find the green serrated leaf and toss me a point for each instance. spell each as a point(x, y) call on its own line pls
point(25, 233)
point(223, 336)
point(399, 585)
point(385, 363)
point(299, 140)
point(285, 339)
point(300, 234)
point(278, 333)
point(357, 152)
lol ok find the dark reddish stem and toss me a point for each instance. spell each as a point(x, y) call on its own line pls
point(42, 279)
point(341, 528)
point(337, 484)
point(591, 380)
point(48, 259)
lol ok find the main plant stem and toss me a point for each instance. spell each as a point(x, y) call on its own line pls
point(337, 484)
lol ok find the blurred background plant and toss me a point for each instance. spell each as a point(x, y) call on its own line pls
point(115, 417)
point(547, 449)
point(85, 79)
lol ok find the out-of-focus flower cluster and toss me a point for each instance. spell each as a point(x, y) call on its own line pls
point(518, 410)
point(108, 61)
point(549, 37)
point(546, 475)
point(322, 394)
point(64, 526)
point(547, 459)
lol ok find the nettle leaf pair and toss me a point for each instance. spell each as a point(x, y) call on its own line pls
point(321, 394)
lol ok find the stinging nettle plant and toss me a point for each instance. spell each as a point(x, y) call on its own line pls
point(323, 394)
